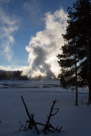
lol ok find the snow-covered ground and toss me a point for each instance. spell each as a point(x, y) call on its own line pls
point(75, 120)
point(29, 83)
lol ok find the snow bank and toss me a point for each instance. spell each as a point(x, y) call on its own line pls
point(76, 120)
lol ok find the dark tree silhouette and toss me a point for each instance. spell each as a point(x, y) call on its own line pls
point(12, 75)
point(75, 60)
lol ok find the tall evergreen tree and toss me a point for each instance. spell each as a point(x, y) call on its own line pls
point(75, 60)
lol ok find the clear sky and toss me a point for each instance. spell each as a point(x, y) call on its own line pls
point(27, 30)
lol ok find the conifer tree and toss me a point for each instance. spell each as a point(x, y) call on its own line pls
point(75, 60)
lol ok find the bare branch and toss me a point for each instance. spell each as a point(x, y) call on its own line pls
point(31, 117)
point(57, 109)
point(30, 123)
point(48, 126)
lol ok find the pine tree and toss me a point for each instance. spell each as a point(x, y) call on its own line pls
point(75, 60)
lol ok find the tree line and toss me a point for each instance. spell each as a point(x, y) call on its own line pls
point(12, 75)
point(75, 59)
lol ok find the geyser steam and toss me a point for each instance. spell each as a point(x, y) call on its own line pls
point(45, 46)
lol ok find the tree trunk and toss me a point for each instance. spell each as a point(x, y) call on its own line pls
point(76, 102)
point(89, 99)
point(76, 84)
point(89, 73)
point(89, 54)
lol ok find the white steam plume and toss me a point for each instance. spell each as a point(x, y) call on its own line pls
point(45, 46)
point(8, 25)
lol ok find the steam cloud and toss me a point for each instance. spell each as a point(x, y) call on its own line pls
point(45, 46)
point(8, 25)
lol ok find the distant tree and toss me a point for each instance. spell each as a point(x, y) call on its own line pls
point(12, 75)
point(75, 60)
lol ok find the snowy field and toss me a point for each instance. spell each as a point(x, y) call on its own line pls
point(39, 95)
point(29, 83)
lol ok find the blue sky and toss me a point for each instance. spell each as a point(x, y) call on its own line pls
point(21, 20)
